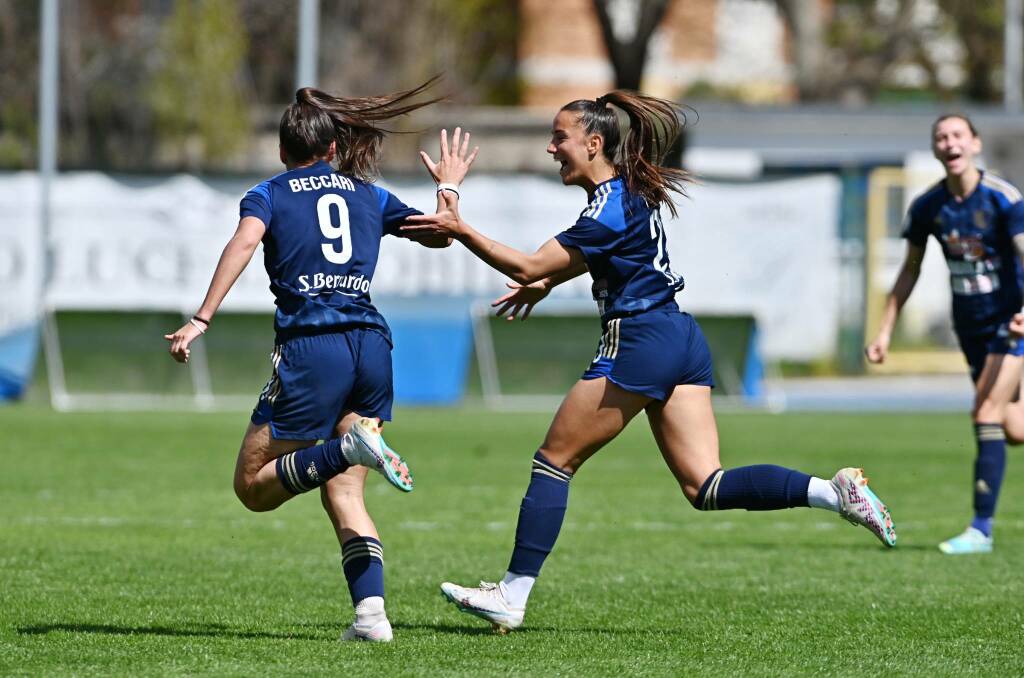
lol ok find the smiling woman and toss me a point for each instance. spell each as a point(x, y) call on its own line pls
point(978, 220)
point(651, 357)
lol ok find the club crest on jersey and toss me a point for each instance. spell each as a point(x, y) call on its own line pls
point(980, 219)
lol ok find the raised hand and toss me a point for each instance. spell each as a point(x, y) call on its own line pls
point(521, 300)
point(454, 162)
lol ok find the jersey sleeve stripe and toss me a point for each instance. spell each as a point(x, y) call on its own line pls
point(1005, 188)
point(599, 201)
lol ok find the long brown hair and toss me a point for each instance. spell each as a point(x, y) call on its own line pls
point(654, 125)
point(317, 118)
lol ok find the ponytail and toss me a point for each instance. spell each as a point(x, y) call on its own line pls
point(316, 118)
point(654, 125)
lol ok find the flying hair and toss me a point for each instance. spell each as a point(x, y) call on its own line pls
point(316, 118)
point(654, 125)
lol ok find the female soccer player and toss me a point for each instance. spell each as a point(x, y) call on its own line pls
point(978, 220)
point(321, 222)
point(651, 357)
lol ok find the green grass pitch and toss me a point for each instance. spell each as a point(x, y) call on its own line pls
point(123, 551)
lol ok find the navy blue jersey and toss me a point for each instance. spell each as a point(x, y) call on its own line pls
point(623, 243)
point(321, 246)
point(976, 235)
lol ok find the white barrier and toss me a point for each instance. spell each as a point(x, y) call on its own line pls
point(769, 249)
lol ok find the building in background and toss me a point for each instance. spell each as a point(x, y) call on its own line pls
point(704, 46)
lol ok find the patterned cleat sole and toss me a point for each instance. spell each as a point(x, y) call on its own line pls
point(862, 507)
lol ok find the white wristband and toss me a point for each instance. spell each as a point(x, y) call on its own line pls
point(454, 188)
point(198, 326)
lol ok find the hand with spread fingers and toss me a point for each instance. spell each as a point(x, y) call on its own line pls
point(521, 300)
point(454, 162)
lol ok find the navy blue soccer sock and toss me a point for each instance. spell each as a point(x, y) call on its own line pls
point(540, 516)
point(303, 470)
point(762, 487)
point(362, 558)
point(988, 474)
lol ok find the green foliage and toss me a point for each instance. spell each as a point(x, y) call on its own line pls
point(125, 552)
point(196, 92)
point(486, 35)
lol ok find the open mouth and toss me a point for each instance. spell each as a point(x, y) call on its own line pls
point(562, 165)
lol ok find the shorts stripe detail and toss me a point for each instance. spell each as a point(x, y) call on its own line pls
point(711, 496)
point(545, 469)
point(609, 347)
point(272, 389)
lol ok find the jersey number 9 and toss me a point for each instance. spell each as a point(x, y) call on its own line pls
point(332, 232)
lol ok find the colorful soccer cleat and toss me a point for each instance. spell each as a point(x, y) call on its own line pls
point(971, 541)
point(377, 633)
point(371, 450)
point(859, 505)
point(487, 602)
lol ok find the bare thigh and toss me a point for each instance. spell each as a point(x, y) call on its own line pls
point(593, 412)
point(997, 384)
point(685, 430)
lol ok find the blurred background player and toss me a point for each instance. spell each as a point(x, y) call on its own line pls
point(651, 357)
point(321, 223)
point(978, 220)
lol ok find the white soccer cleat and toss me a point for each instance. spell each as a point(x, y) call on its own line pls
point(970, 542)
point(366, 447)
point(487, 602)
point(376, 633)
point(859, 505)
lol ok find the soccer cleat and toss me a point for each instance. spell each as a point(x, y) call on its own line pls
point(376, 633)
point(487, 602)
point(371, 450)
point(972, 540)
point(859, 505)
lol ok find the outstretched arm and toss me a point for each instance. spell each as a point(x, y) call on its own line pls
point(233, 260)
point(551, 258)
point(905, 281)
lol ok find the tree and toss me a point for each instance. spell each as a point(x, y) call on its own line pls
point(806, 20)
point(628, 34)
point(196, 92)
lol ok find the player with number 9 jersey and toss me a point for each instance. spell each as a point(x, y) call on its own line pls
point(321, 223)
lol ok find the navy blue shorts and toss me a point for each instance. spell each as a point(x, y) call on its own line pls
point(318, 378)
point(977, 347)
point(651, 353)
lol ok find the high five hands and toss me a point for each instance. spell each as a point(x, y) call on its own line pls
point(454, 163)
point(450, 169)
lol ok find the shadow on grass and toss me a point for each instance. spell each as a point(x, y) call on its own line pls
point(204, 630)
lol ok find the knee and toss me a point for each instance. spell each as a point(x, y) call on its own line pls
point(988, 411)
point(692, 489)
point(565, 460)
point(691, 492)
point(249, 497)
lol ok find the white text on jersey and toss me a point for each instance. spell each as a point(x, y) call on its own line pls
point(321, 181)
